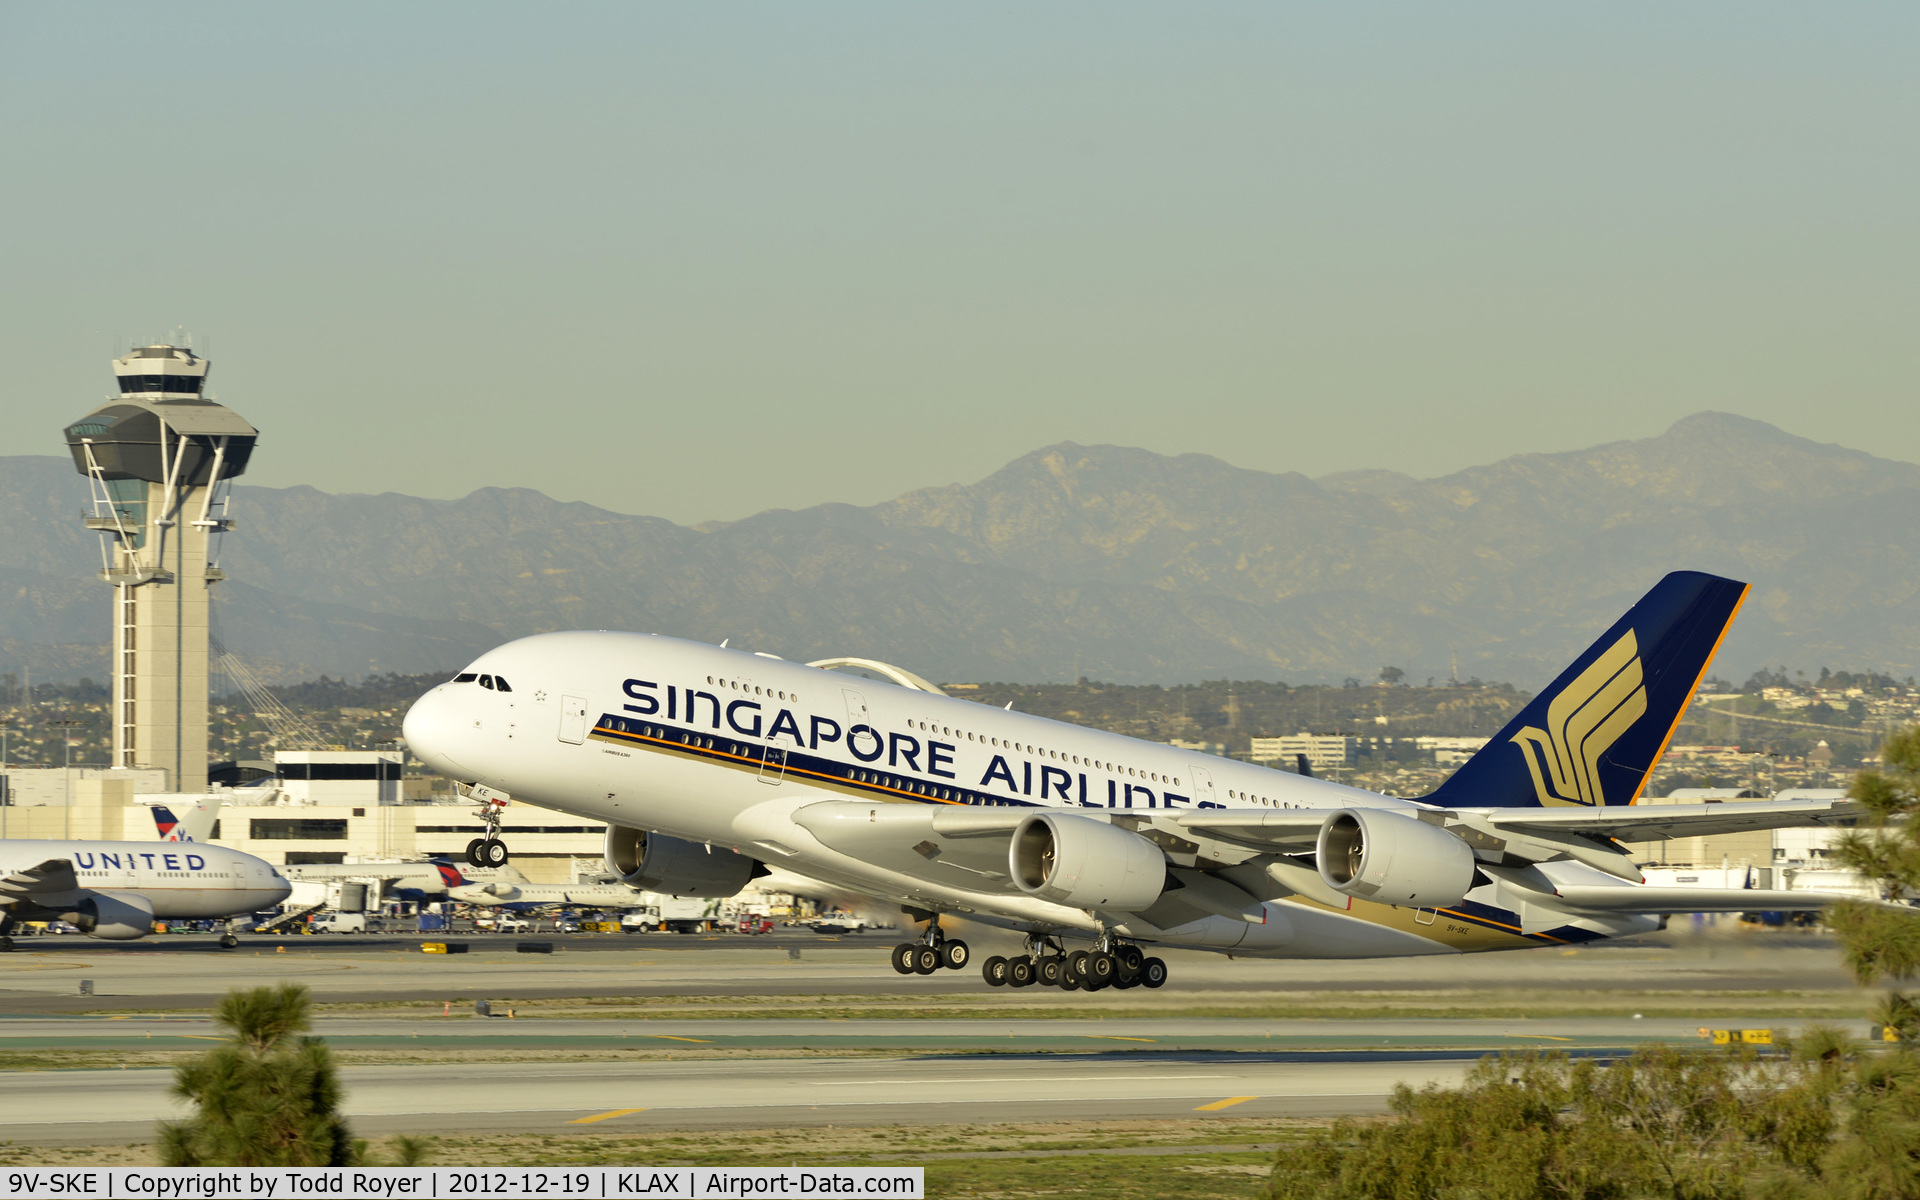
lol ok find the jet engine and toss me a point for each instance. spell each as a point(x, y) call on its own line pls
point(1393, 859)
point(654, 862)
point(1085, 864)
point(114, 916)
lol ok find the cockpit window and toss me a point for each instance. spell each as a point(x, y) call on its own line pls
point(469, 677)
point(486, 681)
point(500, 683)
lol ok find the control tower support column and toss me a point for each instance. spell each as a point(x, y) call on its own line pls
point(160, 458)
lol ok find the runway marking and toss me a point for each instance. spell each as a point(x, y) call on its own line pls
point(1114, 1037)
point(999, 1079)
point(1543, 1036)
point(204, 1037)
point(675, 1038)
point(1229, 1102)
point(605, 1116)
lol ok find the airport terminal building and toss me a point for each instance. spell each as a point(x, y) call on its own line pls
point(319, 806)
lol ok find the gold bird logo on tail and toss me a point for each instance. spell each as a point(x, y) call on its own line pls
point(1583, 721)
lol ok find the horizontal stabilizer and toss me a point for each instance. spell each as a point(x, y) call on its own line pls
point(1647, 899)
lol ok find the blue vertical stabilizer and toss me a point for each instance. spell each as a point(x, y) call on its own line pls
point(1593, 735)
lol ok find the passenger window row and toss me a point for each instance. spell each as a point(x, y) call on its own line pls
point(737, 686)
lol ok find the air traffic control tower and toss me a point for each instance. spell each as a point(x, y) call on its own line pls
point(160, 459)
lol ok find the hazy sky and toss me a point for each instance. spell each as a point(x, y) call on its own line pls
point(699, 260)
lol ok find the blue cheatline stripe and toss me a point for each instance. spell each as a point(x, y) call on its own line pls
point(809, 767)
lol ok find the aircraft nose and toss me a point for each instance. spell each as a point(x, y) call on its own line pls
point(432, 731)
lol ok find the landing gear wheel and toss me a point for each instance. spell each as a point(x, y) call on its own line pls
point(955, 955)
point(926, 960)
point(994, 971)
point(1130, 958)
point(1019, 971)
point(6, 944)
point(1070, 985)
point(1048, 971)
point(493, 853)
point(473, 852)
point(1153, 973)
point(1099, 970)
point(228, 941)
point(903, 957)
point(1076, 964)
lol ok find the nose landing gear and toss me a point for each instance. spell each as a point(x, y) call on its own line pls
point(488, 851)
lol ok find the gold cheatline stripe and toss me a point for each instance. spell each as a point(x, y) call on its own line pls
point(853, 784)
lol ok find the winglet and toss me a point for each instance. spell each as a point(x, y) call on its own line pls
point(1593, 736)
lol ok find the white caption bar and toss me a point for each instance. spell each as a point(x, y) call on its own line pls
point(439, 1183)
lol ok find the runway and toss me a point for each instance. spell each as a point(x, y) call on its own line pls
point(905, 1036)
point(718, 1054)
point(174, 973)
point(100, 1107)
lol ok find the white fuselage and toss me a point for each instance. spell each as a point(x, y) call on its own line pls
point(178, 879)
point(674, 737)
point(542, 895)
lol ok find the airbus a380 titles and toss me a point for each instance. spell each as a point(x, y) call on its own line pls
point(709, 765)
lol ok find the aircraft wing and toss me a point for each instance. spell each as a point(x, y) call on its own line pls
point(1295, 830)
point(49, 881)
point(1654, 822)
point(946, 844)
point(1286, 831)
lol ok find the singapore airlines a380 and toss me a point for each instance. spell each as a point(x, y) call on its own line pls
point(713, 766)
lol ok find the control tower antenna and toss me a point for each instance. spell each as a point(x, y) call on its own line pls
point(160, 460)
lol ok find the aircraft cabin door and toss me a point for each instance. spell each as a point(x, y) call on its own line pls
point(573, 719)
point(1202, 786)
point(773, 763)
point(856, 707)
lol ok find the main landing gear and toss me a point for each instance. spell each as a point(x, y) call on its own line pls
point(1111, 963)
point(932, 952)
point(6, 931)
point(488, 851)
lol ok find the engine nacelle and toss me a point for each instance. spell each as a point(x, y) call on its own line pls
point(1085, 864)
point(114, 916)
point(1394, 859)
point(654, 862)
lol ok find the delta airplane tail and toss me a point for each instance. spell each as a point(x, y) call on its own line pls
point(450, 875)
point(196, 826)
point(1593, 735)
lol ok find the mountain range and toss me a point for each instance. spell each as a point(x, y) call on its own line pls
point(1114, 563)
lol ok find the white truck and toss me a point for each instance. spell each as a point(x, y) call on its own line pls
point(340, 922)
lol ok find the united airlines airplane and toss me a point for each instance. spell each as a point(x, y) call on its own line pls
point(116, 890)
point(711, 765)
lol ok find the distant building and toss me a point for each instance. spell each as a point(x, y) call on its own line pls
point(351, 777)
point(1450, 751)
point(1323, 751)
point(1216, 748)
